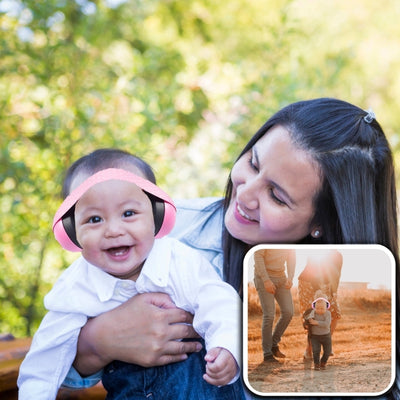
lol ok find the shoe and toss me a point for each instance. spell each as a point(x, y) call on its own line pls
point(277, 353)
point(270, 359)
point(307, 356)
point(323, 365)
point(317, 367)
point(332, 353)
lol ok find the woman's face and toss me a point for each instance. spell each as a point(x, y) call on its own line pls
point(274, 185)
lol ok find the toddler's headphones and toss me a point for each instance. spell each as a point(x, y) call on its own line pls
point(164, 210)
point(328, 305)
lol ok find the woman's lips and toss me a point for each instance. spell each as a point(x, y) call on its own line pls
point(242, 217)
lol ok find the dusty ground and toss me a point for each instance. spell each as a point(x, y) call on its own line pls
point(345, 373)
point(361, 363)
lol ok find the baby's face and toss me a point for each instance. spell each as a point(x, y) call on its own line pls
point(115, 227)
point(320, 307)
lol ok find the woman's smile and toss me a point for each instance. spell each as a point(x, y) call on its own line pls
point(242, 217)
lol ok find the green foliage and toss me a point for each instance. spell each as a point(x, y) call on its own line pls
point(183, 84)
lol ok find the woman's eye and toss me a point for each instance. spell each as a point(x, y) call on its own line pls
point(252, 164)
point(275, 198)
point(94, 220)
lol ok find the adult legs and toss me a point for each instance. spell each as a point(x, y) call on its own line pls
point(308, 352)
point(334, 322)
point(267, 301)
point(335, 310)
point(284, 299)
point(306, 296)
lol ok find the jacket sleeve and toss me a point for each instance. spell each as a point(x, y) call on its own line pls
point(259, 266)
point(291, 263)
point(50, 356)
point(336, 268)
point(215, 304)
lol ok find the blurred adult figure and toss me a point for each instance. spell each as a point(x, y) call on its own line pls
point(322, 272)
point(273, 279)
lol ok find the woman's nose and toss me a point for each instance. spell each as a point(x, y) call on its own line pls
point(247, 194)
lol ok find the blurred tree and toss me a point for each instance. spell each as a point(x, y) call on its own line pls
point(183, 84)
point(75, 76)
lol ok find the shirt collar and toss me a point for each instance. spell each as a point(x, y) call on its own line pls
point(103, 283)
point(156, 268)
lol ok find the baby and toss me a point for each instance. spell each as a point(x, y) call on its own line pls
point(320, 321)
point(116, 216)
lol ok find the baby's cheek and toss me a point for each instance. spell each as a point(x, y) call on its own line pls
point(90, 253)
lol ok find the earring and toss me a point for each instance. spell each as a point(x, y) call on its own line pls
point(316, 233)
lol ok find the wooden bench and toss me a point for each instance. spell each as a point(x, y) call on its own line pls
point(12, 352)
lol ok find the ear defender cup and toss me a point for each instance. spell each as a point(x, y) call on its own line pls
point(158, 207)
point(328, 305)
point(164, 210)
point(68, 221)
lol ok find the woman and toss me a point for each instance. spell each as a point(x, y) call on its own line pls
point(318, 171)
point(321, 274)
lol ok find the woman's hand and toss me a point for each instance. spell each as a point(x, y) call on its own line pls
point(144, 331)
point(288, 284)
point(269, 286)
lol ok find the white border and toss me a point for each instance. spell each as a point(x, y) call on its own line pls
point(354, 247)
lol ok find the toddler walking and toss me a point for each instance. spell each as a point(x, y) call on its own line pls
point(320, 322)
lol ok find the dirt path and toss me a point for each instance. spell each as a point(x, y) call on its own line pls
point(363, 351)
point(368, 373)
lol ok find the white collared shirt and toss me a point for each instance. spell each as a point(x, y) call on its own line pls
point(84, 290)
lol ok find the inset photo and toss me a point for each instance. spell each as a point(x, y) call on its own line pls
point(319, 320)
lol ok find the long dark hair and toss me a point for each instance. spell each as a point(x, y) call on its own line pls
point(357, 203)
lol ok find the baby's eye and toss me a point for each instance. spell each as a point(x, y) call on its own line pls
point(94, 220)
point(129, 213)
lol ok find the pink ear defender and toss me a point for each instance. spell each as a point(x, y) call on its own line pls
point(164, 209)
point(328, 305)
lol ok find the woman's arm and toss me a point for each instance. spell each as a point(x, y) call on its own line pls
point(336, 268)
point(144, 330)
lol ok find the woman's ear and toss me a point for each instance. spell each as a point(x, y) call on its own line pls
point(316, 232)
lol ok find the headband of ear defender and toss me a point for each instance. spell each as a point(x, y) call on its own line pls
point(328, 305)
point(164, 210)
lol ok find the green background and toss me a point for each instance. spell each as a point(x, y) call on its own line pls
point(183, 84)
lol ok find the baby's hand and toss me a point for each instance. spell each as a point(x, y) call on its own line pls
point(313, 321)
point(221, 367)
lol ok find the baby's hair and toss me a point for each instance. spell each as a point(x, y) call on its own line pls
point(102, 159)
